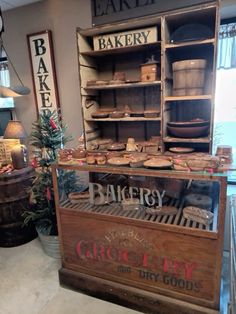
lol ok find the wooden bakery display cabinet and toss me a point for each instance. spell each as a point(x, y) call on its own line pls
point(151, 79)
point(145, 230)
point(146, 238)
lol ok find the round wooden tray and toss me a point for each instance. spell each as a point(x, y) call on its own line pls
point(118, 161)
point(157, 163)
point(181, 150)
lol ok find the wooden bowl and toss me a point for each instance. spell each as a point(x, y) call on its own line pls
point(99, 115)
point(188, 132)
point(187, 124)
point(116, 146)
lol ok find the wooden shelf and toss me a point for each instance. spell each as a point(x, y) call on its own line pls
point(188, 98)
point(170, 139)
point(118, 212)
point(190, 43)
point(141, 171)
point(126, 119)
point(121, 50)
point(126, 85)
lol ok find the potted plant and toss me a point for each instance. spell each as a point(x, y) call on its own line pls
point(47, 137)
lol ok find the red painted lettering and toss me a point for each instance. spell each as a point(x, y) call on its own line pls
point(188, 268)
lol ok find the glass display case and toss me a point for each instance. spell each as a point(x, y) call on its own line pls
point(132, 233)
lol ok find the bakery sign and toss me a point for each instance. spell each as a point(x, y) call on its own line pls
point(106, 11)
point(125, 39)
point(101, 195)
point(43, 71)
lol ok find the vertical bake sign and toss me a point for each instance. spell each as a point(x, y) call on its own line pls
point(43, 71)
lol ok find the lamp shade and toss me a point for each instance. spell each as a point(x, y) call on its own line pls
point(15, 130)
point(15, 91)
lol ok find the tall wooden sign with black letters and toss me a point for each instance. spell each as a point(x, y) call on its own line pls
point(43, 71)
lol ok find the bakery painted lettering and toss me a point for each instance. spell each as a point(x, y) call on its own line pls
point(117, 41)
point(118, 194)
point(125, 39)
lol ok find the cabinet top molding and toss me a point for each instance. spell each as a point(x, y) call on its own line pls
point(107, 11)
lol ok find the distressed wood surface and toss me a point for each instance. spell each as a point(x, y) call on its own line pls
point(186, 140)
point(128, 296)
point(139, 250)
point(154, 262)
point(126, 85)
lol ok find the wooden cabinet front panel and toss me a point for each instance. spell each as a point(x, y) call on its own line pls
point(167, 262)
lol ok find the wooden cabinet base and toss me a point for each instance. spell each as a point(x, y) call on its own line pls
point(134, 298)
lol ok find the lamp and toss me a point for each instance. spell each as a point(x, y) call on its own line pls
point(19, 155)
point(12, 91)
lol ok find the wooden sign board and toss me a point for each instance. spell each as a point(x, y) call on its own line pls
point(43, 71)
point(179, 265)
point(125, 39)
point(107, 11)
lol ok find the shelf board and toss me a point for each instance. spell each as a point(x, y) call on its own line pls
point(187, 98)
point(126, 85)
point(100, 53)
point(170, 139)
point(190, 43)
point(126, 119)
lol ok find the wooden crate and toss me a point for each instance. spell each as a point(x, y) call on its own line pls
point(156, 264)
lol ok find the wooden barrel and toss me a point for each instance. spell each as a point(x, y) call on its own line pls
point(189, 77)
point(14, 199)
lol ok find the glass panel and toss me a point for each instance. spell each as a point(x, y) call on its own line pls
point(181, 202)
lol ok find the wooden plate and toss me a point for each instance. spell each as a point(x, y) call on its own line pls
point(116, 146)
point(181, 150)
point(99, 115)
point(157, 163)
point(118, 161)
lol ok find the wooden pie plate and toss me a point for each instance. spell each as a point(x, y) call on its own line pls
point(164, 210)
point(118, 161)
point(181, 150)
point(99, 115)
point(116, 146)
point(77, 197)
point(157, 163)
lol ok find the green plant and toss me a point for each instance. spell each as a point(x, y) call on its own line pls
point(48, 136)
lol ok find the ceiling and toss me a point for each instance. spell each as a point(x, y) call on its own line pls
point(228, 7)
point(11, 4)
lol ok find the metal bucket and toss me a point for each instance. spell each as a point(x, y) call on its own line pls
point(50, 244)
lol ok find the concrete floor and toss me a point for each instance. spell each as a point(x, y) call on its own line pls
point(29, 285)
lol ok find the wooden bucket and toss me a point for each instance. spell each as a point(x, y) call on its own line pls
point(14, 199)
point(189, 77)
